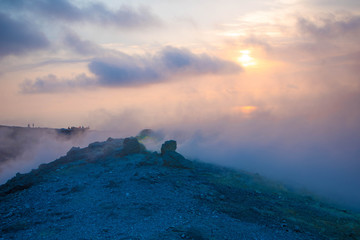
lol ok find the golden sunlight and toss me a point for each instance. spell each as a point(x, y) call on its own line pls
point(245, 59)
point(246, 110)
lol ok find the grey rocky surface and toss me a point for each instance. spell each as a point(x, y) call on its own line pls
point(118, 190)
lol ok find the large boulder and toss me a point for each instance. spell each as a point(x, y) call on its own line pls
point(168, 146)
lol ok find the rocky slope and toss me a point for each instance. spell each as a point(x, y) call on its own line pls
point(118, 190)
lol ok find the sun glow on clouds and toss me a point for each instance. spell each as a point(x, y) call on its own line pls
point(245, 59)
point(245, 110)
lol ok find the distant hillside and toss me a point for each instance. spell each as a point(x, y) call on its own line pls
point(118, 190)
point(15, 140)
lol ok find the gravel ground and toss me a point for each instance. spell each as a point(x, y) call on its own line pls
point(100, 192)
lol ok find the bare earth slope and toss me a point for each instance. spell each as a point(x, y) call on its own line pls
point(118, 190)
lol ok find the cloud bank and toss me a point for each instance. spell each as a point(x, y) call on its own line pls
point(19, 37)
point(79, 46)
point(131, 71)
point(125, 17)
point(24, 24)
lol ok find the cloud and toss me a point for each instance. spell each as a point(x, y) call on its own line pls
point(120, 73)
point(312, 40)
point(323, 39)
point(52, 83)
point(182, 60)
point(59, 9)
point(124, 17)
point(168, 63)
point(18, 37)
point(65, 11)
point(352, 4)
point(83, 47)
point(311, 134)
point(329, 27)
point(126, 70)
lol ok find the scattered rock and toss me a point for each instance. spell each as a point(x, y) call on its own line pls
point(150, 196)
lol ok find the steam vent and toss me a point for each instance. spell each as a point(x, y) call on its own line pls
point(117, 189)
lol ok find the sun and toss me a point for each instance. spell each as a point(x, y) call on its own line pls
point(245, 59)
point(244, 111)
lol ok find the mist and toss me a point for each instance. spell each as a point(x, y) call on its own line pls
point(306, 149)
point(305, 137)
point(311, 145)
point(322, 157)
point(274, 92)
point(25, 149)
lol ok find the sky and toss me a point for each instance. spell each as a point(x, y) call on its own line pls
point(267, 86)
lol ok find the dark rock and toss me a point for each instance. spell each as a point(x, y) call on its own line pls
point(131, 146)
point(18, 188)
point(194, 234)
point(64, 189)
point(73, 151)
point(175, 160)
point(168, 146)
point(96, 145)
point(150, 160)
point(15, 227)
point(171, 158)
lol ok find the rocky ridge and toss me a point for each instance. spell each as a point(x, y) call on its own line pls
point(118, 190)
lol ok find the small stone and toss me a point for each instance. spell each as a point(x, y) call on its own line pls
point(284, 225)
point(297, 228)
point(8, 215)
